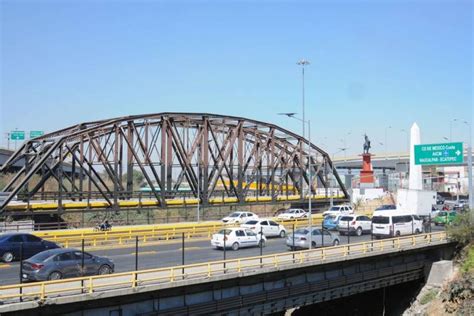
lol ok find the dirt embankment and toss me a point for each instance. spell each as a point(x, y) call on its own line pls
point(455, 296)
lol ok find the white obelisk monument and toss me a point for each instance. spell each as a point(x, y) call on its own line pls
point(415, 179)
point(415, 200)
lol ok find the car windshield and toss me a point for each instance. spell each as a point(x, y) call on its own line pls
point(224, 232)
point(291, 211)
point(301, 231)
point(334, 208)
point(40, 257)
point(380, 220)
point(442, 214)
point(330, 218)
point(251, 222)
point(234, 215)
point(346, 218)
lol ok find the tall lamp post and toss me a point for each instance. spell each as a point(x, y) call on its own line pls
point(331, 202)
point(198, 184)
point(303, 63)
point(292, 115)
point(407, 139)
point(386, 142)
point(451, 128)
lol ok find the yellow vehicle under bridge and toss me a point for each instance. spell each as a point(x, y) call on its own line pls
point(183, 158)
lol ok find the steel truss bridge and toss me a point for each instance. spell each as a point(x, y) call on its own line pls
point(180, 158)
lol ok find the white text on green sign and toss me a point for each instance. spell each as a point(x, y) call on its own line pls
point(439, 154)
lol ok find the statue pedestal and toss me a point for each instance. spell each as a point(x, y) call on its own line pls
point(367, 172)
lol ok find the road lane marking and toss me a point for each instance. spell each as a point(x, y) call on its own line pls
point(154, 252)
point(5, 266)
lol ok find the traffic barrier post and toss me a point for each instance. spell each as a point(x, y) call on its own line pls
point(348, 234)
point(322, 237)
point(82, 266)
point(182, 253)
point(136, 253)
point(293, 242)
point(21, 271)
point(261, 245)
point(224, 238)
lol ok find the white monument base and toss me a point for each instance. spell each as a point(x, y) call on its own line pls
point(367, 194)
point(418, 201)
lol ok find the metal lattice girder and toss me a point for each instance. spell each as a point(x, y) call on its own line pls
point(198, 154)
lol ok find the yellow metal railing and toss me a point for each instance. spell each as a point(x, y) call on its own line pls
point(170, 275)
point(52, 205)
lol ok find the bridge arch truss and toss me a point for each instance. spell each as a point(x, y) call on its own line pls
point(197, 155)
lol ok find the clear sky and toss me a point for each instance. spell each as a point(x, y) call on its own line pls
point(376, 66)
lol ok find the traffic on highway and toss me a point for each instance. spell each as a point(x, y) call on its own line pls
point(45, 260)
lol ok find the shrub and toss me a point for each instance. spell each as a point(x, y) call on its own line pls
point(462, 229)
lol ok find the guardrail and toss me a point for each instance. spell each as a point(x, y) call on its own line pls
point(148, 233)
point(92, 284)
point(141, 203)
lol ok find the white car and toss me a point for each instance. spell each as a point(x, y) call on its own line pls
point(266, 226)
point(293, 213)
point(357, 224)
point(239, 217)
point(236, 238)
point(338, 210)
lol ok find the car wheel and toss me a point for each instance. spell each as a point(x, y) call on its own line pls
point(313, 244)
point(282, 234)
point(417, 231)
point(397, 233)
point(359, 231)
point(104, 269)
point(261, 243)
point(7, 257)
point(436, 224)
point(235, 246)
point(55, 276)
point(335, 242)
point(291, 217)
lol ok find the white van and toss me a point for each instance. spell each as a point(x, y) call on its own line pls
point(395, 223)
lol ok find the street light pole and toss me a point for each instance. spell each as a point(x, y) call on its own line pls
point(407, 139)
point(198, 184)
point(451, 129)
point(331, 202)
point(303, 63)
point(310, 219)
point(386, 148)
point(310, 187)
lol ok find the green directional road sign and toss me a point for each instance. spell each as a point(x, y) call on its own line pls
point(17, 135)
point(439, 154)
point(34, 134)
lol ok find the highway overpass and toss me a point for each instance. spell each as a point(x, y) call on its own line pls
point(260, 284)
point(388, 161)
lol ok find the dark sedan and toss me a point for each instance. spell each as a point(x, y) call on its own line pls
point(63, 263)
point(11, 243)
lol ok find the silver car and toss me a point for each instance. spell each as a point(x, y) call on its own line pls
point(319, 238)
point(63, 263)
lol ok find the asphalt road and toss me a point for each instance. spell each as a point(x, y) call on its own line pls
point(170, 254)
